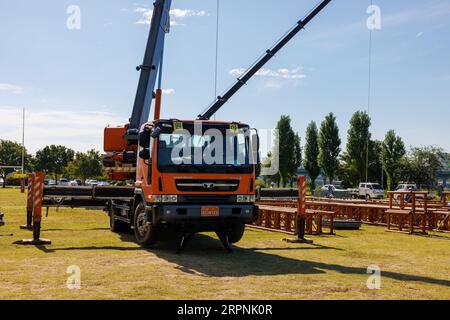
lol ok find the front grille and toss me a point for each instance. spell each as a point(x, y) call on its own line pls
point(188, 198)
point(207, 185)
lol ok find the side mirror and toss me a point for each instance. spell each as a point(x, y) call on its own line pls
point(144, 138)
point(144, 154)
point(156, 132)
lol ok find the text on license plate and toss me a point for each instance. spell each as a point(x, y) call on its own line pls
point(210, 211)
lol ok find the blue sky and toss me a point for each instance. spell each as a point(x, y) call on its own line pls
point(75, 82)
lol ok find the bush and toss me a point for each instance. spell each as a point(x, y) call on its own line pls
point(14, 179)
point(260, 183)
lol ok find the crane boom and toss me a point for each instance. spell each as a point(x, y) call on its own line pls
point(241, 81)
point(160, 24)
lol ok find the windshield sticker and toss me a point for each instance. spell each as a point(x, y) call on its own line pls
point(234, 128)
point(177, 126)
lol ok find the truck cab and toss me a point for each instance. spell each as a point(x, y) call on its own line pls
point(193, 175)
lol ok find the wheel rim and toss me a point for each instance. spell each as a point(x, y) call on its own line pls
point(141, 223)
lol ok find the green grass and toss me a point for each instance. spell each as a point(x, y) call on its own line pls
point(261, 267)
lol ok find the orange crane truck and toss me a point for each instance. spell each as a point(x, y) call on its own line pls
point(189, 175)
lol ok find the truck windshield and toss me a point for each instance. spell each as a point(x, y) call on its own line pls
point(216, 151)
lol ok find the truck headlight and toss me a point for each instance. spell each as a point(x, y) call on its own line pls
point(169, 198)
point(245, 198)
point(154, 198)
point(163, 198)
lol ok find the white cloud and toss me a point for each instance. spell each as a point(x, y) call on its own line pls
point(419, 13)
point(282, 73)
point(168, 91)
point(80, 130)
point(11, 88)
point(175, 14)
point(274, 84)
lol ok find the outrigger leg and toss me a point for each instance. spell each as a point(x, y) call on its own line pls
point(223, 236)
point(185, 237)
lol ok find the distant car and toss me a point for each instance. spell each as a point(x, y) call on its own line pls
point(333, 188)
point(73, 183)
point(1, 180)
point(90, 182)
point(63, 182)
point(331, 191)
point(51, 183)
point(405, 187)
point(368, 190)
point(103, 183)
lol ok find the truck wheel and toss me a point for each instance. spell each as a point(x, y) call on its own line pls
point(144, 231)
point(117, 225)
point(236, 231)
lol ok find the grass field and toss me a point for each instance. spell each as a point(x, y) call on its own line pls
point(261, 266)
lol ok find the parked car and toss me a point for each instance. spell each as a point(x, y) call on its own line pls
point(63, 182)
point(331, 191)
point(368, 190)
point(73, 183)
point(405, 187)
point(103, 183)
point(91, 182)
point(51, 182)
point(333, 188)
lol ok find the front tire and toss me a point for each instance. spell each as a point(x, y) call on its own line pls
point(144, 231)
point(236, 232)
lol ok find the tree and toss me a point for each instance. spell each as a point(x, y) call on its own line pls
point(311, 161)
point(347, 173)
point(287, 146)
point(375, 170)
point(422, 165)
point(358, 137)
point(297, 161)
point(267, 164)
point(10, 155)
point(53, 159)
point(85, 165)
point(392, 151)
point(329, 146)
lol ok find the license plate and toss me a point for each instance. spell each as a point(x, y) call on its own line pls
point(210, 212)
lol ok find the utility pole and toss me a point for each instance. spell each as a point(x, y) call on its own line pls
point(23, 140)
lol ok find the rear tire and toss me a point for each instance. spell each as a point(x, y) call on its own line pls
point(236, 231)
point(144, 231)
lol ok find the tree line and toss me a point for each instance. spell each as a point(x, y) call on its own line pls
point(55, 161)
point(363, 160)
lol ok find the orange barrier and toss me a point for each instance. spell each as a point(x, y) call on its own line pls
point(29, 224)
point(34, 209)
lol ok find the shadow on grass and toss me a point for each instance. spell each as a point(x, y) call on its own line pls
point(434, 236)
point(206, 256)
point(92, 229)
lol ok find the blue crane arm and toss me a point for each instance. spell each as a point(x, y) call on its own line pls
point(159, 26)
point(241, 81)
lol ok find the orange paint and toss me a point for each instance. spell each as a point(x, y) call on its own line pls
point(38, 188)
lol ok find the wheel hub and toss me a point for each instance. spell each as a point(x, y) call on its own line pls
point(142, 223)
